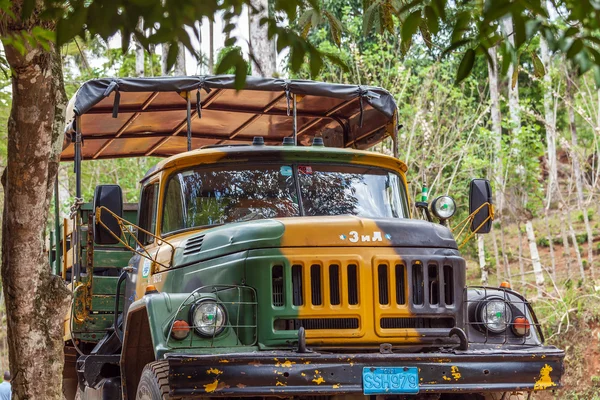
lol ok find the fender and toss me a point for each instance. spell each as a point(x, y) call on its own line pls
point(144, 340)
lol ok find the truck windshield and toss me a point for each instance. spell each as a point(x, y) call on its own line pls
point(202, 196)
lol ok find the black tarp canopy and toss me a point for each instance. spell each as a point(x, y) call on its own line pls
point(130, 117)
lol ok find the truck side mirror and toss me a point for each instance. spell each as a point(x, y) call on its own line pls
point(111, 197)
point(480, 193)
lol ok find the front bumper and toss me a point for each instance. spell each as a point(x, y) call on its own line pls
point(267, 373)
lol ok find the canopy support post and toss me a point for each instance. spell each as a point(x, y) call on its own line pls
point(189, 121)
point(57, 233)
point(295, 124)
point(75, 214)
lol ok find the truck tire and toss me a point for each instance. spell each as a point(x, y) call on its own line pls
point(154, 383)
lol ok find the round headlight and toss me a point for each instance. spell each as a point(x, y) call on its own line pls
point(208, 318)
point(443, 207)
point(496, 315)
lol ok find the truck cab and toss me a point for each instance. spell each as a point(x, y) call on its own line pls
point(295, 270)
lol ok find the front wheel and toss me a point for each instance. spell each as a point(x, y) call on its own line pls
point(154, 383)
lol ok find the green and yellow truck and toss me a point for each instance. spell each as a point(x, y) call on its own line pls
point(271, 256)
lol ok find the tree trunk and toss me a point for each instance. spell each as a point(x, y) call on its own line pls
point(36, 300)
point(179, 69)
point(535, 257)
point(496, 253)
point(262, 50)
point(139, 54)
point(482, 266)
point(496, 116)
point(211, 47)
point(521, 264)
point(577, 172)
point(513, 84)
point(550, 124)
point(565, 241)
point(576, 247)
point(550, 239)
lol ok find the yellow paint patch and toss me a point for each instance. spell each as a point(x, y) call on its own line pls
point(545, 380)
point(319, 380)
point(214, 371)
point(446, 378)
point(336, 386)
point(455, 372)
point(303, 374)
point(286, 364)
point(280, 384)
point(224, 361)
point(211, 387)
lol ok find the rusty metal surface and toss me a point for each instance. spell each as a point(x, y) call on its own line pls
point(277, 372)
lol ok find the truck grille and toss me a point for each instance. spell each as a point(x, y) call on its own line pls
point(315, 323)
point(375, 300)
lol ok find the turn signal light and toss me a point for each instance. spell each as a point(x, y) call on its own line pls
point(151, 289)
point(521, 326)
point(180, 330)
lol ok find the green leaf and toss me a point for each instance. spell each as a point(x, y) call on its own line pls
point(172, 55)
point(432, 20)
point(305, 21)
point(426, 35)
point(369, 18)
point(519, 30)
point(575, 48)
point(316, 63)
point(515, 75)
point(466, 65)
point(439, 6)
point(538, 65)
point(336, 28)
point(410, 25)
point(27, 9)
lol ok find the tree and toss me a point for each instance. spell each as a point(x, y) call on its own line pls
point(34, 297)
point(262, 49)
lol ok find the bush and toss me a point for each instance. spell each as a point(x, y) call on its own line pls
point(543, 242)
point(590, 214)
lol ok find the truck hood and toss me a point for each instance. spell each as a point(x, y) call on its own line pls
point(335, 231)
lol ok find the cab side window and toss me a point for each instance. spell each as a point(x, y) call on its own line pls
point(148, 208)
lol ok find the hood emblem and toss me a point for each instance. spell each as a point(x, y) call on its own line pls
point(354, 237)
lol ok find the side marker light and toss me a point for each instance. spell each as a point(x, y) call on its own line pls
point(180, 330)
point(521, 326)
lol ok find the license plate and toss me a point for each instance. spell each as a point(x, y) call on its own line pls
point(391, 380)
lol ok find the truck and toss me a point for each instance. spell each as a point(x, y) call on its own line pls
point(272, 255)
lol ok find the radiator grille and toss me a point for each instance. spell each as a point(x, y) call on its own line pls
point(334, 284)
point(315, 285)
point(413, 323)
point(352, 284)
point(315, 324)
point(418, 286)
point(400, 284)
point(297, 296)
point(448, 285)
point(277, 285)
point(382, 274)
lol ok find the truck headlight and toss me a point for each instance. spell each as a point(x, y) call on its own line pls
point(208, 318)
point(443, 207)
point(495, 315)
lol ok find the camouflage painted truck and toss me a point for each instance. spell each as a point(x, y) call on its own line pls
point(270, 257)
